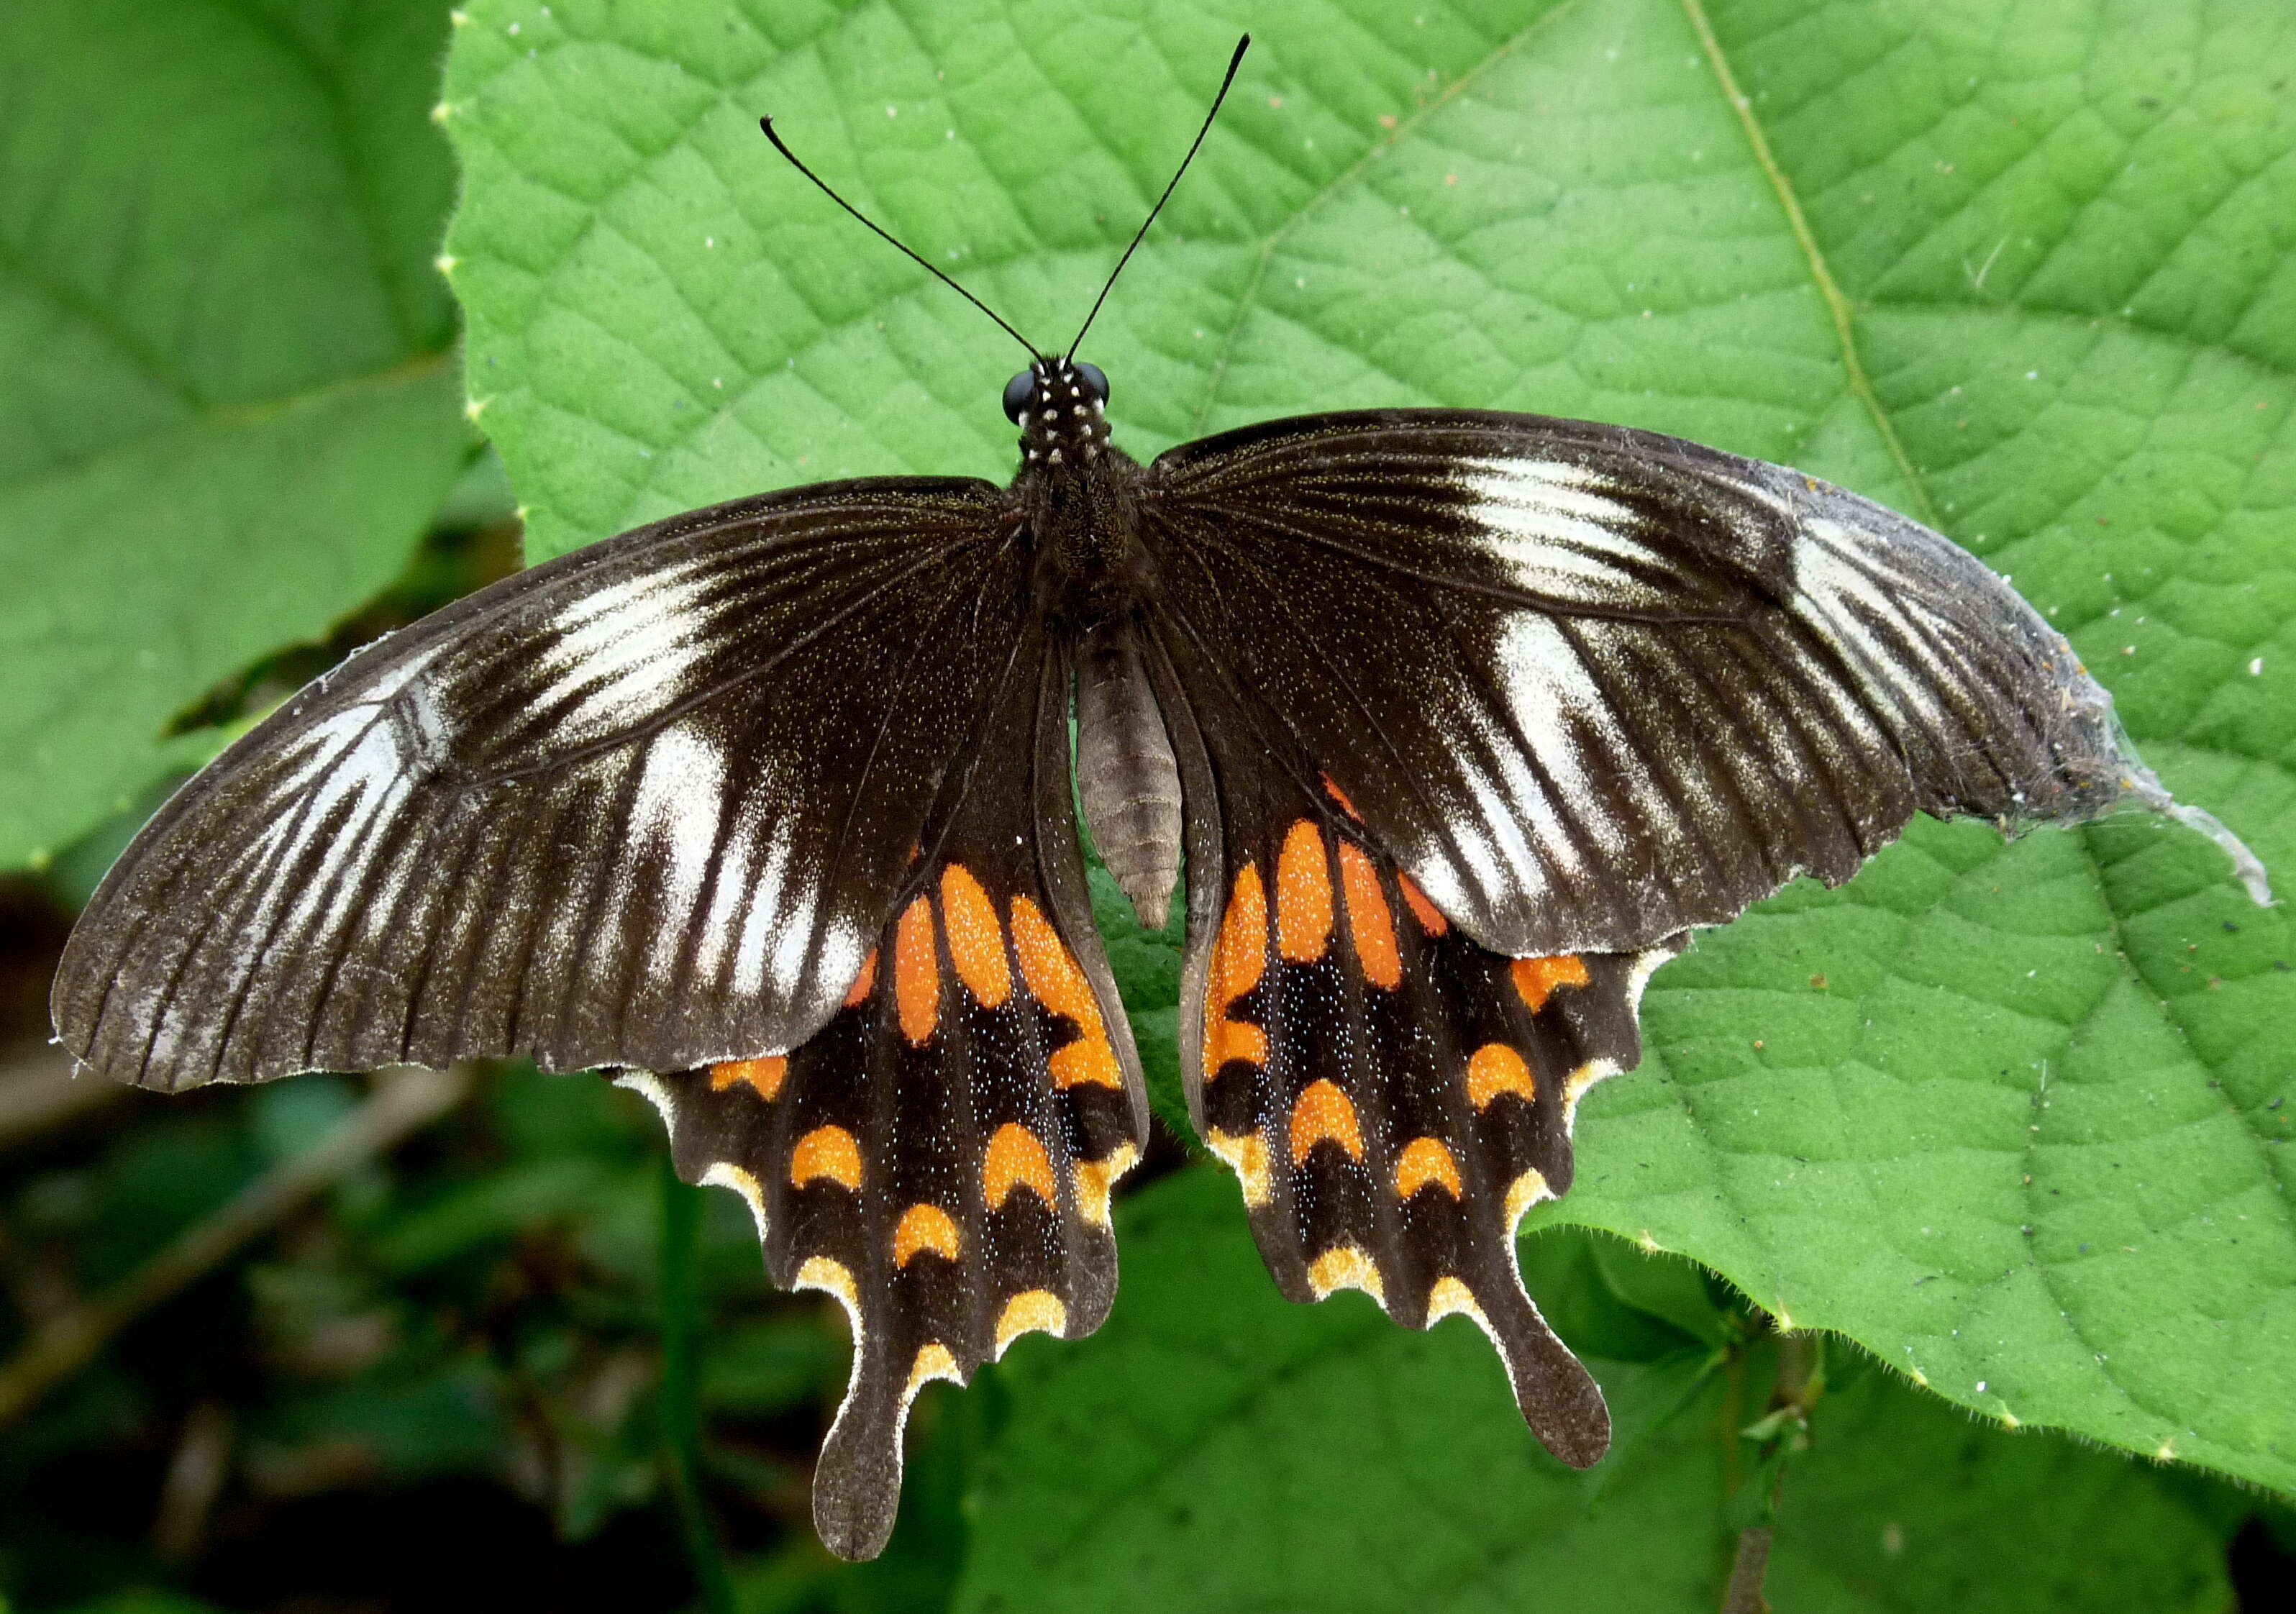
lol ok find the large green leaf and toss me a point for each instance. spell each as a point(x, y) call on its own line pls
point(1217, 1449)
point(2021, 272)
point(229, 407)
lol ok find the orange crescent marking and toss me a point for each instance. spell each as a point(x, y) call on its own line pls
point(1303, 895)
point(1239, 959)
point(975, 941)
point(1324, 1112)
point(1016, 1158)
point(1370, 921)
point(1055, 982)
point(1032, 1311)
point(864, 983)
point(826, 1151)
point(1246, 1154)
point(1331, 790)
point(1425, 1161)
point(1536, 977)
point(933, 1361)
point(1523, 1193)
point(1447, 1295)
point(917, 973)
point(1495, 1068)
point(763, 1075)
point(1345, 1267)
point(924, 1227)
point(1096, 1179)
point(1431, 920)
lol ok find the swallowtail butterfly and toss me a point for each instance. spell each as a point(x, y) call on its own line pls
point(1458, 722)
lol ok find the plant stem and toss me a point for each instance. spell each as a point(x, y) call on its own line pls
point(681, 1375)
point(402, 1101)
point(1744, 1595)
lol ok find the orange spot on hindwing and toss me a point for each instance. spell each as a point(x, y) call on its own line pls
point(1239, 959)
point(1058, 982)
point(1535, 978)
point(1425, 1161)
point(1016, 1158)
point(1345, 1267)
point(924, 1227)
point(1032, 1311)
point(1370, 925)
point(1303, 896)
point(1430, 919)
point(1324, 1112)
point(864, 983)
point(1333, 790)
point(1495, 1068)
point(826, 1151)
point(975, 941)
point(917, 973)
point(1096, 1180)
point(763, 1076)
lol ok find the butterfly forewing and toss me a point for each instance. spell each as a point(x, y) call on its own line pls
point(1592, 686)
point(939, 1155)
point(643, 806)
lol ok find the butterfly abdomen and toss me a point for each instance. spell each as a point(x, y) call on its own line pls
point(1126, 772)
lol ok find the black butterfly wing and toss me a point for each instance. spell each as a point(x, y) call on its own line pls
point(1392, 1095)
point(1475, 715)
point(1592, 687)
point(647, 804)
point(939, 1155)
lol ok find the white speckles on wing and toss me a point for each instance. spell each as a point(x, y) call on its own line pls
point(1558, 707)
point(763, 912)
point(1563, 536)
point(628, 651)
point(1846, 602)
point(730, 896)
point(351, 771)
point(681, 790)
point(837, 955)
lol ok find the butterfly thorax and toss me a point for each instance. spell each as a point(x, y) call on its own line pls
point(1076, 493)
point(1074, 488)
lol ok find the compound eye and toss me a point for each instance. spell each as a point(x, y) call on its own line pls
point(1018, 391)
point(1095, 382)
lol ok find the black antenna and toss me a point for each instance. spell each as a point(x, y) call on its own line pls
point(1234, 62)
point(766, 124)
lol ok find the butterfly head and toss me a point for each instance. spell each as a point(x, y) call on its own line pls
point(1062, 409)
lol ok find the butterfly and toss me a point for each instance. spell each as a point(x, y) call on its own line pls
point(1454, 723)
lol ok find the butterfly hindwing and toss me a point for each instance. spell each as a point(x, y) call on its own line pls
point(642, 805)
point(939, 1155)
point(1592, 686)
point(1392, 1095)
